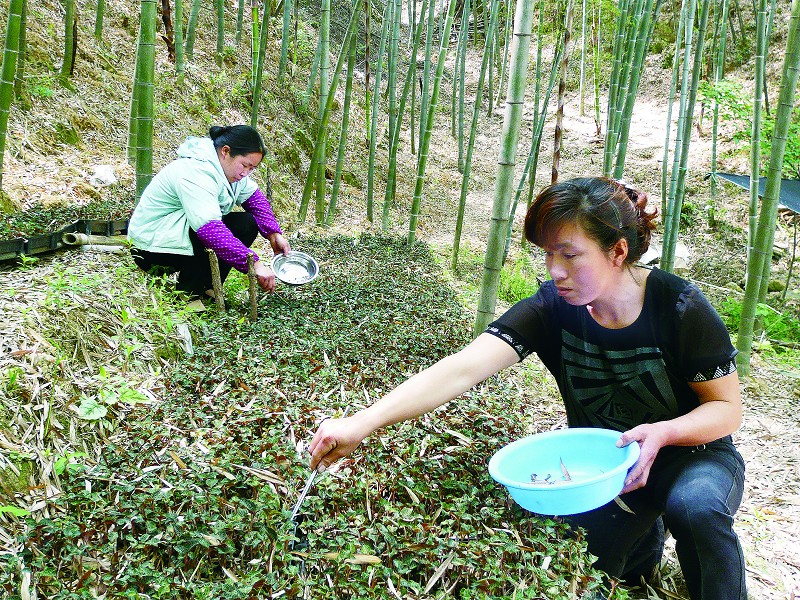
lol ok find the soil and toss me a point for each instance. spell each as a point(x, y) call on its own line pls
point(769, 517)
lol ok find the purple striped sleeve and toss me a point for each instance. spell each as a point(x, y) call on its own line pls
point(217, 236)
point(258, 205)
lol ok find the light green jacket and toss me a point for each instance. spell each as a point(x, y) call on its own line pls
point(186, 194)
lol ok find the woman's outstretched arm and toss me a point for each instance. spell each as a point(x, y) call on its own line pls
point(425, 391)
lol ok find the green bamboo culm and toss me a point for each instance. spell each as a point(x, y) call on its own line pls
point(755, 131)
point(180, 56)
point(721, 29)
point(617, 68)
point(348, 92)
point(133, 138)
point(391, 79)
point(262, 50)
point(676, 62)
point(367, 101)
point(425, 140)
point(391, 178)
point(562, 87)
point(191, 28)
point(426, 69)
point(596, 52)
point(683, 138)
point(254, 42)
point(287, 24)
point(537, 133)
point(459, 89)
point(320, 139)
point(643, 35)
point(20, 91)
point(582, 81)
point(146, 57)
point(219, 5)
point(70, 21)
point(312, 77)
point(9, 70)
point(376, 95)
point(239, 21)
point(760, 257)
point(98, 19)
point(458, 72)
point(324, 88)
point(476, 109)
point(506, 47)
point(518, 73)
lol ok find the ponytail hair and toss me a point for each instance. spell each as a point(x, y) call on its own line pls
point(607, 210)
point(241, 139)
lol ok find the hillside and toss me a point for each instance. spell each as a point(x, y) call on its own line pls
point(55, 146)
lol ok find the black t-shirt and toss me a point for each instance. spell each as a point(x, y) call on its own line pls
point(620, 378)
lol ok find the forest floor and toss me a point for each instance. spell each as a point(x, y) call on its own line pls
point(769, 518)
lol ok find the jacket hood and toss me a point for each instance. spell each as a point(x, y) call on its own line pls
point(200, 148)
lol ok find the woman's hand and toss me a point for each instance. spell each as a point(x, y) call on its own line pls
point(650, 439)
point(334, 439)
point(265, 276)
point(279, 244)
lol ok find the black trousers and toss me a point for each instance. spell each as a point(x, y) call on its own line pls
point(194, 271)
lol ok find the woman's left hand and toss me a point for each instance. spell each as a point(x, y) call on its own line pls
point(279, 244)
point(650, 439)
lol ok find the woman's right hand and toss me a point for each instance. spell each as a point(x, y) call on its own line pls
point(265, 276)
point(335, 439)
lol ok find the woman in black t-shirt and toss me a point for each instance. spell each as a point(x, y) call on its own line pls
point(637, 350)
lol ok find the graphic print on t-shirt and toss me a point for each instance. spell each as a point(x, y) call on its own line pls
point(614, 389)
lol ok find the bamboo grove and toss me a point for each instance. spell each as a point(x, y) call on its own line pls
point(409, 53)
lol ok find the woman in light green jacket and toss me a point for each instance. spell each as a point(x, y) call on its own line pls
point(188, 207)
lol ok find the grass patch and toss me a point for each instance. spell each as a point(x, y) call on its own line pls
point(191, 497)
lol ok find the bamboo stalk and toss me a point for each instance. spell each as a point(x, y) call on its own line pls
point(719, 74)
point(9, 69)
point(755, 131)
point(319, 143)
point(144, 91)
point(376, 94)
point(348, 91)
point(670, 102)
point(180, 55)
point(476, 108)
point(395, 134)
point(425, 141)
point(759, 259)
point(678, 187)
point(649, 14)
point(287, 24)
point(562, 86)
point(523, 18)
point(324, 90)
point(191, 28)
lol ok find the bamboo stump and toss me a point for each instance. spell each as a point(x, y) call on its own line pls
point(253, 290)
point(216, 279)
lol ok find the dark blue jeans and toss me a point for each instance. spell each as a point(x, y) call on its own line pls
point(694, 493)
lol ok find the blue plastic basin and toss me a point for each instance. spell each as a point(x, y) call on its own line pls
point(595, 464)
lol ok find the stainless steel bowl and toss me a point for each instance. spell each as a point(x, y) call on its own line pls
point(295, 268)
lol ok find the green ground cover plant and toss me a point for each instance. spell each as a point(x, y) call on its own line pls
point(191, 497)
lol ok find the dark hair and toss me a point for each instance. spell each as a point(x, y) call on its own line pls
point(241, 139)
point(606, 210)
